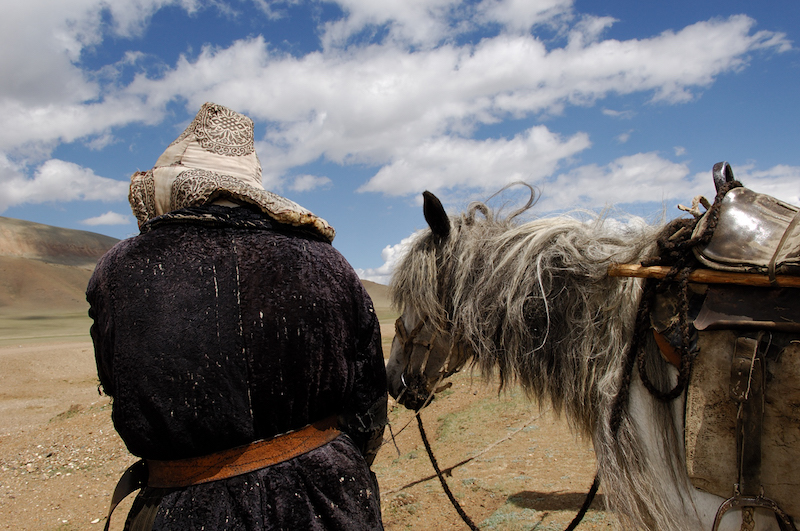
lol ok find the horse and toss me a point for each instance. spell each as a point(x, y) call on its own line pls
point(532, 303)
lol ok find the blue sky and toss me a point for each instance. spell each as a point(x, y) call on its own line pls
point(361, 105)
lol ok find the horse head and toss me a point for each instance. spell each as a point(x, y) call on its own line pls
point(424, 352)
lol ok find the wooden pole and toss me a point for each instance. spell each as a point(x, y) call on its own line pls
point(706, 276)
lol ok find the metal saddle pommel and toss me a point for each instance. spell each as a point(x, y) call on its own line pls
point(754, 233)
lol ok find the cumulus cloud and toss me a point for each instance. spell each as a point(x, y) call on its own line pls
point(628, 179)
point(109, 218)
point(623, 138)
point(356, 102)
point(391, 255)
point(521, 15)
point(304, 183)
point(46, 96)
point(56, 33)
point(448, 162)
point(626, 115)
point(57, 181)
point(648, 177)
point(423, 22)
point(375, 103)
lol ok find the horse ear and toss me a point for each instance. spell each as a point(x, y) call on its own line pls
point(435, 215)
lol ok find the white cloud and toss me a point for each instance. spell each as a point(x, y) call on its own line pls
point(358, 102)
point(268, 7)
point(109, 218)
point(46, 96)
point(413, 21)
point(647, 177)
point(448, 162)
point(521, 15)
point(622, 138)
point(391, 255)
point(629, 179)
point(626, 115)
point(373, 104)
point(57, 181)
point(99, 142)
point(305, 183)
point(41, 42)
point(425, 23)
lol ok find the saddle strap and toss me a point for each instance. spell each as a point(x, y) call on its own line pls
point(224, 464)
point(748, 379)
point(747, 391)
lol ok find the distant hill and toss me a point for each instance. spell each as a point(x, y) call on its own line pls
point(54, 245)
point(45, 269)
point(381, 298)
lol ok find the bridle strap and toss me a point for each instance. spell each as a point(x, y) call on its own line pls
point(408, 340)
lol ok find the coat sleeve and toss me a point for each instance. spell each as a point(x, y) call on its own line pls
point(365, 420)
point(102, 329)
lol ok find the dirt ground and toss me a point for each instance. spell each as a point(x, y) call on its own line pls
point(510, 465)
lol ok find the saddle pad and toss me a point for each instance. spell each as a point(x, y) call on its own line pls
point(711, 422)
point(753, 230)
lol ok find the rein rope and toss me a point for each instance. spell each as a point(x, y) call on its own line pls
point(456, 505)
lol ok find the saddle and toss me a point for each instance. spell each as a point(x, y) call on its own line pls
point(741, 424)
point(754, 233)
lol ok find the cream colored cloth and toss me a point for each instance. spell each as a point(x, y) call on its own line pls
point(213, 159)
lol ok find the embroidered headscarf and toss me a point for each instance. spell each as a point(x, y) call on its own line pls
point(214, 159)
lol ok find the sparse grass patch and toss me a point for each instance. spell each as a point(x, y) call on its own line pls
point(483, 413)
point(25, 328)
point(413, 454)
point(509, 517)
point(403, 502)
point(73, 410)
point(386, 315)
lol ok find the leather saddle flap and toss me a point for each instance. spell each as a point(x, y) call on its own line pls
point(750, 308)
point(753, 230)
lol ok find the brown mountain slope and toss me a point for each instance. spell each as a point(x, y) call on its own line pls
point(34, 286)
point(45, 269)
point(379, 294)
point(25, 239)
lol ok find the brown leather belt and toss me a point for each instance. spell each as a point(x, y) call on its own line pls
point(223, 464)
point(240, 460)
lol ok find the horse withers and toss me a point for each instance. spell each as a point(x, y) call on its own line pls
point(534, 304)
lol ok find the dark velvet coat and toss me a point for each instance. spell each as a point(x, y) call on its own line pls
point(216, 327)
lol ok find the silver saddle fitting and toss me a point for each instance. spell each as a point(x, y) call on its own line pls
point(755, 233)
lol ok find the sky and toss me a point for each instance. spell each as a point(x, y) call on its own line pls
point(361, 105)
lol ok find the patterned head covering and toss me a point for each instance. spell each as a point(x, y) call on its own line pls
point(213, 159)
